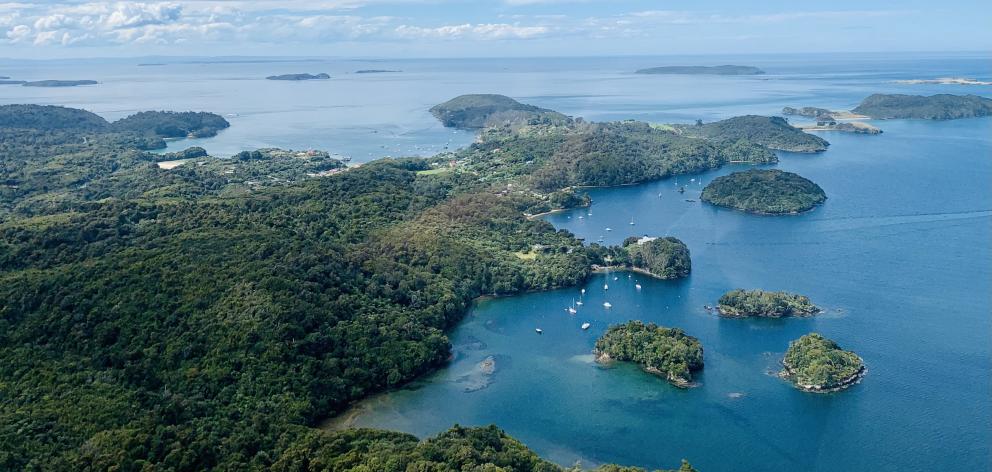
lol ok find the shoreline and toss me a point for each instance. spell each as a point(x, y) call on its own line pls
point(605, 359)
point(844, 384)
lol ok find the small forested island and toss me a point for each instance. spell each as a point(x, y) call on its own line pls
point(741, 303)
point(817, 364)
point(12, 82)
point(935, 107)
point(764, 191)
point(320, 76)
point(664, 258)
point(772, 132)
point(944, 81)
point(668, 352)
point(375, 71)
point(480, 110)
point(59, 83)
point(703, 70)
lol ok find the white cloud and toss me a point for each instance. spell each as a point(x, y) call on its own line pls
point(486, 31)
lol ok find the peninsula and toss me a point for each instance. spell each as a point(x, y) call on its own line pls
point(702, 70)
point(297, 77)
point(816, 364)
point(481, 110)
point(59, 83)
point(664, 258)
point(668, 352)
point(934, 107)
point(771, 192)
point(741, 303)
point(772, 132)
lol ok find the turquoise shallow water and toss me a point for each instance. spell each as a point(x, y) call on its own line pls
point(899, 256)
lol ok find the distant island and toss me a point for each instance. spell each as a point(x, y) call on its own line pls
point(59, 83)
point(772, 132)
point(664, 258)
point(741, 303)
point(320, 76)
point(12, 82)
point(481, 110)
point(816, 364)
point(167, 124)
point(375, 71)
point(667, 352)
point(150, 64)
point(771, 192)
point(702, 70)
point(944, 81)
point(934, 107)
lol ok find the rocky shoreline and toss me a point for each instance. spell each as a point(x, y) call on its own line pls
point(605, 359)
point(787, 374)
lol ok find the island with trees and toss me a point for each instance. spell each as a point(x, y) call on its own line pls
point(297, 77)
point(668, 352)
point(772, 132)
point(481, 110)
point(742, 303)
point(664, 258)
point(935, 107)
point(59, 83)
point(702, 70)
point(764, 191)
point(816, 364)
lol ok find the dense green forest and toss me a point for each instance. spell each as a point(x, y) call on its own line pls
point(935, 107)
point(744, 303)
point(208, 315)
point(664, 351)
point(665, 258)
point(770, 191)
point(817, 364)
point(772, 132)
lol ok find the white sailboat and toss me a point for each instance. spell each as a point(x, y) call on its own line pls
point(609, 229)
point(586, 325)
point(539, 330)
point(571, 309)
point(607, 305)
point(637, 286)
point(632, 221)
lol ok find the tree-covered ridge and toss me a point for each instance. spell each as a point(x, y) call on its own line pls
point(703, 70)
point(772, 132)
point(481, 110)
point(935, 107)
point(547, 157)
point(482, 449)
point(817, 364)
point(194, 327)
point(59, 83)
point(744, 303)
point(769, 191)
point(664, 258)
point(664, 351)
point(50, 118)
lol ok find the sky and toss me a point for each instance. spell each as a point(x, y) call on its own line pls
point(504, 28)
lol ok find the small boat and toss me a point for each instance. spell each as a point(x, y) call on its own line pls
point(578, 303)
point(681, 189)
point(581, 217)
point(616, 278)
point(539, 330)
point(659, 195)
point(637, 286)
point(571, 309)
point(586, 325)
point(690, 201)
point(607, 305)
point(609, 229)
point(583, 291)
point(606, 287)
point(632, 221)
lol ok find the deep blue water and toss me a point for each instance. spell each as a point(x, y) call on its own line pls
point(899, 255)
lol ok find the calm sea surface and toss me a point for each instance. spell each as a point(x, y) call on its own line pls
point(899, 256)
